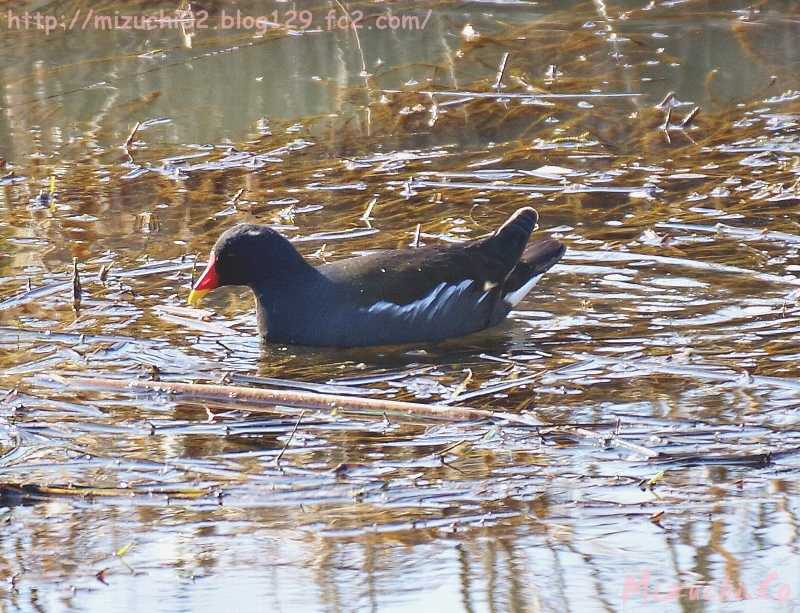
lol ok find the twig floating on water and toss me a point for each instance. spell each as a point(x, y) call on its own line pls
point(521, 96)
point(415, 242)
point(132, 135)
point(291, 398)
point(501, 71)
point(493, 389)
point(666, 100)
point(574, 188)
point(667, 119)
point(77, 291)
point(102, 276)
point(690, 117)
point(461, 387)
point(289, 440)
point(236, 197)
point(368, 213)
point(329, 402)
point(604, 440)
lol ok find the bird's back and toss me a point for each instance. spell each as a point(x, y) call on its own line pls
point(413, 295)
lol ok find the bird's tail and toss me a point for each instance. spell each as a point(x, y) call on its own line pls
point(519, 226)
point(509, 240)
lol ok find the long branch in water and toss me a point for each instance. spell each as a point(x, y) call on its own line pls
point(292, 398)
point(332, 402)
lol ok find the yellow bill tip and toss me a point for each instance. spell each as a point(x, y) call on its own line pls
point(196, 297)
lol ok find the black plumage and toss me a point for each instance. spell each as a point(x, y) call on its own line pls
point(397, 296)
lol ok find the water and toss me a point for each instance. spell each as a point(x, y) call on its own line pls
point(655, 365)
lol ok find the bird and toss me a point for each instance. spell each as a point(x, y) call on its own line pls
point(414, 295)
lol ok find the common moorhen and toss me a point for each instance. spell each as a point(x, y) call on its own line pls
point(399, 296)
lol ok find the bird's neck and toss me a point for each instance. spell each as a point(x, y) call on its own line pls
point(284, 302)
point(283, 268)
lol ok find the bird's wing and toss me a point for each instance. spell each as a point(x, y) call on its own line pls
point(407, 276)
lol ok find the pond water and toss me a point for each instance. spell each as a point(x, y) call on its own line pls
point(655, 461)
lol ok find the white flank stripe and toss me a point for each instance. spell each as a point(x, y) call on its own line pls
point(430, 303)
point(514, 298)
